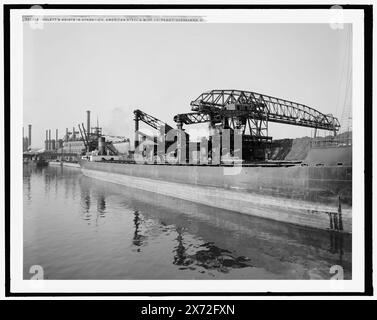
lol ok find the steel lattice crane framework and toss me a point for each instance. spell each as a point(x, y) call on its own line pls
point(150, 120)
point(155, 123)
point(241, 109)
point(91, 140)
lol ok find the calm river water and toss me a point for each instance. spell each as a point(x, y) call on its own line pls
point(76, 227)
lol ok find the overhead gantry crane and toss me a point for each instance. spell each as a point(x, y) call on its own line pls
point(248, 113)
point(232, 105)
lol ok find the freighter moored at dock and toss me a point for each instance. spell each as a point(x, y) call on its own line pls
point(289, 194)
point(315, 192)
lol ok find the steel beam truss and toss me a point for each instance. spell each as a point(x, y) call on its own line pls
point(242, 108)
point(150, 120)
point(162, 128)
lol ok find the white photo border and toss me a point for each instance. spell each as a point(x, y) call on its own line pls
point(171, 287)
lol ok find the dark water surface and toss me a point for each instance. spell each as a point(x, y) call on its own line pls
point(76, 227)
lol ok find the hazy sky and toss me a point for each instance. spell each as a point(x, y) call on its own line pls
point(112, 69)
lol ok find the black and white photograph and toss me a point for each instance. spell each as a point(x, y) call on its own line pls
point(219, 149)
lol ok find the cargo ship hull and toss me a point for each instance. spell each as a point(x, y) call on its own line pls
point(310, 196)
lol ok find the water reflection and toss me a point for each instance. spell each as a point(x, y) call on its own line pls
point(101, 205)
point(207, 256)
point(27, 181)
point(145, 235)
point(138, 239)
point(336, 245)
point(85, 205)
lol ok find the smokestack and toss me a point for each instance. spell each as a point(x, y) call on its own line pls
point(66, 134)
point(56, 139)
point(29, 135)
point(49, 139)
point(88, 122)
point(73, 134)
point(46, 141)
